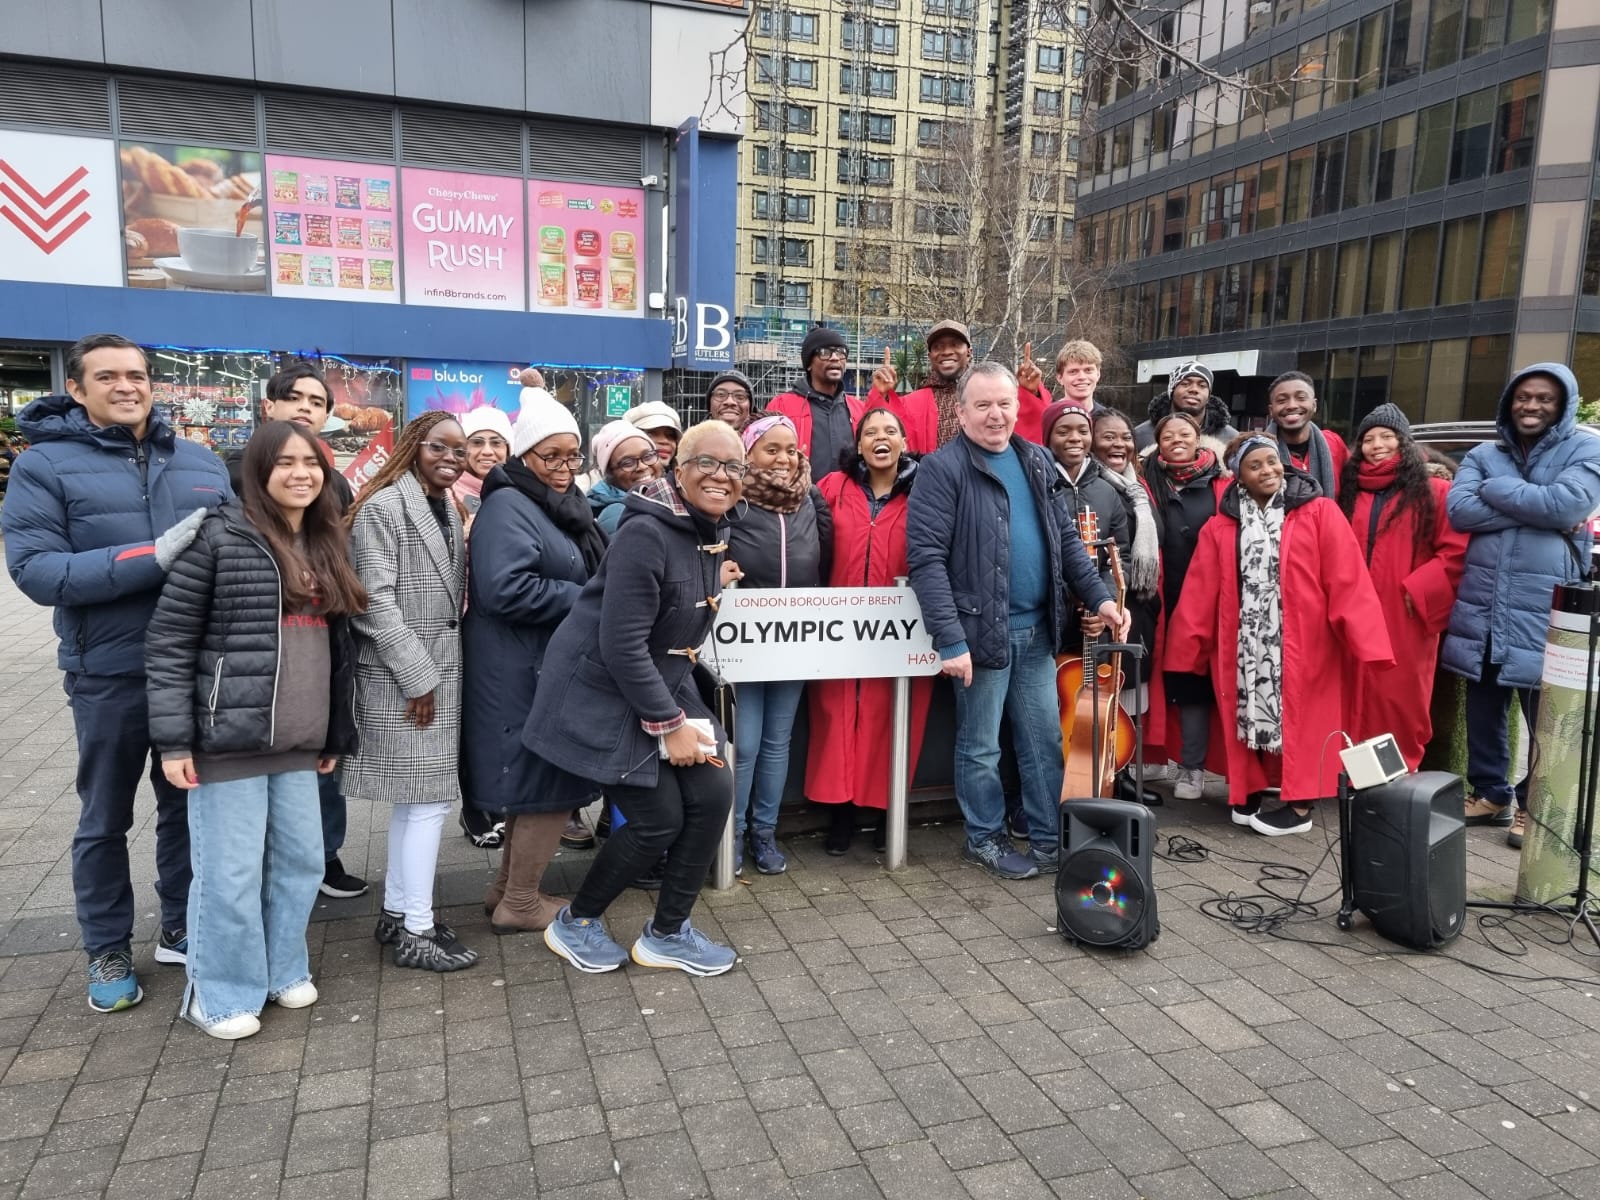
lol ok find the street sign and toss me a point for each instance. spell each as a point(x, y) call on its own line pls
point(765, 634)
point(619, 399)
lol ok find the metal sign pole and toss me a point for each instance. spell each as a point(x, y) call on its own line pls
point(899, 768)
point(722, 869)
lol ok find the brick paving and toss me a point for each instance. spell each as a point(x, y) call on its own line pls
point(922, 1035)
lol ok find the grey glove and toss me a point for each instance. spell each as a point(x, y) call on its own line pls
point(176, 540)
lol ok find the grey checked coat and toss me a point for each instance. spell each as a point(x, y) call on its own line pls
point(408, 643)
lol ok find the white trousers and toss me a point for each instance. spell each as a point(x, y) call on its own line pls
point(414, 833)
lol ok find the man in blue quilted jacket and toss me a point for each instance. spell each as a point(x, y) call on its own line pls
point(993, 551)
point(98, 508)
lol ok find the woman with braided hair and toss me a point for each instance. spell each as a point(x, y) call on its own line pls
point(1415, 558)
point(410, 553)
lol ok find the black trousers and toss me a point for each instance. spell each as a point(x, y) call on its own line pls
point(683, 816)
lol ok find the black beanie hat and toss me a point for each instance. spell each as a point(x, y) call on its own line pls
point(820, 337)
point(1385, 416)
point(732, 376)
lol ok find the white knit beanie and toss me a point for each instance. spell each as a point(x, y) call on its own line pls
point(542, 416)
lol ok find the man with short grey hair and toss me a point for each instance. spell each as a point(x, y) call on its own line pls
point(990, 536)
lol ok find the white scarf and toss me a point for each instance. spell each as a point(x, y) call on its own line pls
point(1145, 569)
point(1260, 681)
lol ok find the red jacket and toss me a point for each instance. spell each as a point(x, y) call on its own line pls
point(1398, 701)
point(848, 758)
point(798, 409)
point(1330, 614)
point(919, 413)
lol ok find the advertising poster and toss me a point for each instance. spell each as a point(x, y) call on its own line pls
point(331, 226)
point(464, 242)
point(58, 210)
point(192, 218)
point(460, 387)
point(587, 248)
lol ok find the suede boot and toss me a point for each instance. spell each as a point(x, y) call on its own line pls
point(531, 842)
point(497, 889)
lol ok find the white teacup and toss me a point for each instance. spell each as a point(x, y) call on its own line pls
point(218, 251)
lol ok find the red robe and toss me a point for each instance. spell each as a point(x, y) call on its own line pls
point(919, 413)
point(1330, 614)
point(852, 720)
point(1397, 701)
point(1337, 451)
point(798, 409)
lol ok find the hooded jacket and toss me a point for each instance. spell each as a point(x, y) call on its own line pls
point(1527, 514)
point(1216, 421)
point(605, 499)
point(618, 659)
point(83, 509)
point(823, 425)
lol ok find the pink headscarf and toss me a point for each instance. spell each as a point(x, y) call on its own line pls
point(759, 428)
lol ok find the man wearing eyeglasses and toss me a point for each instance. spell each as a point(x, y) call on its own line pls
point(824, 415)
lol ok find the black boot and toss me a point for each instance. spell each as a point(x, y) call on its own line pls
point(841, 829)
point(1126, 789)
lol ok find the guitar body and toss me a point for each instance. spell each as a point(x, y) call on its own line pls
point(1075, 694)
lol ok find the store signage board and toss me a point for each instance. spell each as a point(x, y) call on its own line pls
point(465, 240)
point(705, 172)
point(764, 634)
point(587, 247)
point(433, 385)
point(619, 398)
point(59, 210)
point(331, 227)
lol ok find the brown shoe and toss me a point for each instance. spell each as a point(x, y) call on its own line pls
point(1479, 811)
point(1519, 826)
point(576, 836)
point(531, 840)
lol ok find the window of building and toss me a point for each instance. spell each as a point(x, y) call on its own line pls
point(1469, 146)
point(1269, 203)
point(783, 293)
point(797, 118)
point(1297, 190)
point(1046, 102)
point(1289, 289)
point(861, 256)
point(944, 220)
point(800, 72)
point(1262, 274)
point(1372, 40)
point(1527, 18)
point(795, 164)
point(1383, 273)
point(869, 214)
point(1167, 309)
point(801, 27)
point(1196, 208)
point(947, 45)
point(1360, 167)
point(878, 36)
point(1280, 99)
point(1341, 69)
point(1591, 256)
point(1044, 143)
point(1173, 219)
point(1078, 63)
point(1408, 376)
point(1396, 150)
point(1488, 364)
point(1419, 271)
point(1444, 32)
point(1407, 30)
point(796, 252)
point(1320, 275)
point(1500, 262)
point(1350, 282)
point(1327, 180)
point(930, 133)
point(1310, 73)
point(1516, 123)
point(946, 89)
point(855, 167)
point(1447, 379)
point(1042, 229)
point(1075, 105)
point(792, 205)
point(1050, 59)
point(1433, 147)
point(1043, 187)
point(950, 8)
point(878, 127)
point(1485, 26)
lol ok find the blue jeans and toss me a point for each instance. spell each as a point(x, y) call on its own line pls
point(330, 799)
point(257, 846)
point(1489, 736)
point(113, 727)
point(762, 728)
point(1025, 690)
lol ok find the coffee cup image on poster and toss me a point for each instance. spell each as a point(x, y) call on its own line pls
point(332, 229)
point(192, 218)
point(587, 250)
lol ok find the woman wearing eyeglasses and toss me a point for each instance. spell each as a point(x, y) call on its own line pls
point(488, 433)
point(618, 704)
point(410, 553)
point(535, 543)
point(625, 457)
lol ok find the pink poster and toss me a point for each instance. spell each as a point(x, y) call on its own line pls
point(587, 248)
point(331, 228)
point(464, 243)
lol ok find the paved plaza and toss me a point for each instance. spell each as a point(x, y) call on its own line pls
point(921, 1035)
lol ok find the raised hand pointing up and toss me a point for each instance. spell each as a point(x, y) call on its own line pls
point(884, 378)
point(1029, 377)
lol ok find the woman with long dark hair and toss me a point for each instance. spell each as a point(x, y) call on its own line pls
point(847, 760)
point(248, 668)
point(1275, 604)
point(410, 552)
point(1415, 558)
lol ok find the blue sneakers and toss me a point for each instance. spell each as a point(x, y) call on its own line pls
point(172, 947)
point(112, 984)
point(583, 942)
point(996, 856)
point(764, 849)
point(687, 950)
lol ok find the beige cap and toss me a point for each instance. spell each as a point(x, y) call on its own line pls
point(955, 327)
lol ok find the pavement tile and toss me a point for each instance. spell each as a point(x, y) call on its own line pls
point(332, 1140)
point(488, 1135)
point(172, 1126)
point(66, 1174)
point(170, 1178)
point(913, 1171)
point(727, 1134)
point(243, 1134)
point(410, 1168)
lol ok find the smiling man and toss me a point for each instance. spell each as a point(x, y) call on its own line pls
point(1525, 501)
point(1189, 391)
point(931, 414)
point(98, 508)
point(824, 414)
point(1320, 453)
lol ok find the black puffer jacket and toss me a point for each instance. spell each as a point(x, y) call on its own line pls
point(775, 550)
point(211, 654)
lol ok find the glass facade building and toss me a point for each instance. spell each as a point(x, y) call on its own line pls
point(1395, 196)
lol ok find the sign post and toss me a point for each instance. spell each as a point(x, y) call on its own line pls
point(767, 634)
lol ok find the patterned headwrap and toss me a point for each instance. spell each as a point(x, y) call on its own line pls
point(1254, 442)
point(760, 427)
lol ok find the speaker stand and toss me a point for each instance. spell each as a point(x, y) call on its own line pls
point(1582, 905)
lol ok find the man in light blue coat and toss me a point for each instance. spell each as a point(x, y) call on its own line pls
point(1526, 501)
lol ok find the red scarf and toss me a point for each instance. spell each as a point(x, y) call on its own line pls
point(1182, 473)
point(1378, 477)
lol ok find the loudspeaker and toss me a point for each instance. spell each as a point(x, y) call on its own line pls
point(1406, 859)
point(1105, 895)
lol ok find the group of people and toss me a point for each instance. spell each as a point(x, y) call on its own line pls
point(282, 643)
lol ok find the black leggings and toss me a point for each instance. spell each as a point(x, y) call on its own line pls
point(683, 815)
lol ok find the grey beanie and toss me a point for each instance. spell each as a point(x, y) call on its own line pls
point(1385, 416)
point(732, 376)
point(1193, 367)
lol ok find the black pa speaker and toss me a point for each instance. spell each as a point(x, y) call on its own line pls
point(1406, 859)
point(1105, 895)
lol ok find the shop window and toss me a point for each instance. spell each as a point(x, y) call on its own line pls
point(1433, 147)
point(1361, 160)
point(1350, 285)
point(1419, 271)
point(1488, 367)
point(1288, 298)
point(1327, 181)
point(1469, 147)
point(1458, 265)
point(1383, 274)
point(1517, 123)
point(1269, 206)
point(1444, 32)
point(1302, 172)
point(1407, 31)
point(1371, 41)
point(1263, 274)
point(1500, 265)
point(1396, 152)
point(1408, 377)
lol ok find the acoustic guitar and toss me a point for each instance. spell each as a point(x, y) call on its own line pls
point(1097, 740)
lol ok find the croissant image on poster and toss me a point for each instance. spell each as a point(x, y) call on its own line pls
point(464, 240)
point(192, 218)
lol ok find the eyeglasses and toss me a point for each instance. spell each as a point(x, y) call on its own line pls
point(440, 450)
point(632, 461)
point(707, 465)
point(479, 441)
point(833, 352)
point(728, 394)
point(554, 462)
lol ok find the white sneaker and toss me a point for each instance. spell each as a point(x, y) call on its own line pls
point(1191, 784)
point(301, 995)
point(229, 1030)
point(1163, 773)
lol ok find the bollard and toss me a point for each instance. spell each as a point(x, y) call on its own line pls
point(899, 768)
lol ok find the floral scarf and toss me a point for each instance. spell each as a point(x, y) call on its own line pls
point(1260, 681)
point(769, 490)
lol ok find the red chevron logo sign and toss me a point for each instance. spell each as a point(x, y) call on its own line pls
point(36, 214)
